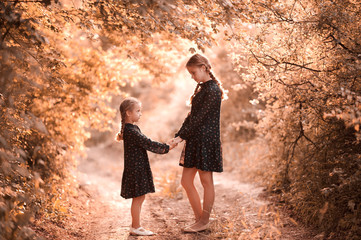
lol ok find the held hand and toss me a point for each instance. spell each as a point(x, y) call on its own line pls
point(118, 137)
point(172, 144)
point(177, 140)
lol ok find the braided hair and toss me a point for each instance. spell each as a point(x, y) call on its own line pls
point(199, 60)
point(126, 105)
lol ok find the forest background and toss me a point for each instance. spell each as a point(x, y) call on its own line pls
point(292, 68)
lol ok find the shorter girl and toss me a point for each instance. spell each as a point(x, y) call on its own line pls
point(137, 176)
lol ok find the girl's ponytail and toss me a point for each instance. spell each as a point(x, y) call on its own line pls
point(119, 135)
point(196, 90)
point(219, 83)
point(126, 105)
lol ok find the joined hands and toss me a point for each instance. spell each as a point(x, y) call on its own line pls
point(174, 142)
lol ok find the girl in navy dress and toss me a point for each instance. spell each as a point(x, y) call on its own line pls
point(202, 152)
point(137, 176)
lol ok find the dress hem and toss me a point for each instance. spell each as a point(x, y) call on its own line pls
point(219, 171)
point(137, 195)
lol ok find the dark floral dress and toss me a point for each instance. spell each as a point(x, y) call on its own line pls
point(201, 130)
point(137, 176)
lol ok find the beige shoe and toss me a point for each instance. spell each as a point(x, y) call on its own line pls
point(194, 230)
point(140, 232)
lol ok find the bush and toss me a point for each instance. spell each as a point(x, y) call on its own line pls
point(303, 59)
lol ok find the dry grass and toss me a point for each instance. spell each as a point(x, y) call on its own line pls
point(169, 184)
point(245, 224)
point(249, 160)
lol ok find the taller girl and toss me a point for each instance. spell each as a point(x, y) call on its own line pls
point(202, 152)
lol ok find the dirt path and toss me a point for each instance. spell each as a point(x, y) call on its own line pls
point(239, 212)
point(99, 213)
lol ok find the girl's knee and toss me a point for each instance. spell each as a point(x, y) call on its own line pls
point(206, 179)
point(206, 183)
point(186, 183)
point(188, 177)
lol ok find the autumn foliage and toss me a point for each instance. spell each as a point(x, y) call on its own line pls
point(304, 60)
point(298, 62)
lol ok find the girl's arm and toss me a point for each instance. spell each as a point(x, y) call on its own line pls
point(184, 125)
point(212, 99)
point(148, 144)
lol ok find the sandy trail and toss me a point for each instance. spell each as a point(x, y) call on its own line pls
point(100, 177)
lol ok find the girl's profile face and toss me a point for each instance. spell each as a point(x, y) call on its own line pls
point(134, 114)
point(198, 73)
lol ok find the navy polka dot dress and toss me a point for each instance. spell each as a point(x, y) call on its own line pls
point(201, 130)
point(137, 176)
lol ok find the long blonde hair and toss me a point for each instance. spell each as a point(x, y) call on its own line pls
point(126, 105)
point(199, 60)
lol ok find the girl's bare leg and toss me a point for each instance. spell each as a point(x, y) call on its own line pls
point(187, 182)
point(209, 194)
point(136, 209)
point(208, 199)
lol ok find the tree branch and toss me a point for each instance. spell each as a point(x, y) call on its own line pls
point(6, 33)
point(293, 146)
point(338, 42)
point(283, 62)
point(276, 13)
point(29, 1)
point(27, 52)
point(302, 66)
point(295, 85)
point(293, 7)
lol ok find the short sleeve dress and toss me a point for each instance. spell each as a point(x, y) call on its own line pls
point(137, 176)
point(201, 130)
